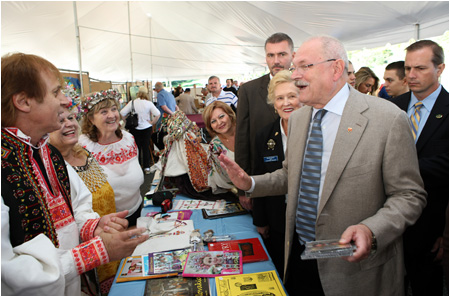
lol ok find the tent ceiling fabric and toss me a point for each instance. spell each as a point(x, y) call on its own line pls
point(183, 40)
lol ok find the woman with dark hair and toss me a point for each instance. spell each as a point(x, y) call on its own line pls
point(114, 149)
point(220, 121)
point(366, 81)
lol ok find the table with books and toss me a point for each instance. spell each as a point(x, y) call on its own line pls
point(238, 226)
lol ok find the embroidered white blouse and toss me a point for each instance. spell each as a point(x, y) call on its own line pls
point(120, 162)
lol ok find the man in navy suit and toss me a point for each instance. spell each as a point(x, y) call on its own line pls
point(423, 246)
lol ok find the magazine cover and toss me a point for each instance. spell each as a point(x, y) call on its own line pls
point(230, 209)
point(213, 263)
point(136, 268)
point(251, 248)
point(250, 284)
point(177, 286)
point(168, 261)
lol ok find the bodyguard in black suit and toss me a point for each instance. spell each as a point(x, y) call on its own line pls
point(424, 64)
point(253, 112)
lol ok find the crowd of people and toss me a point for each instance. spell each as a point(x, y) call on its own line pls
point(307, 148)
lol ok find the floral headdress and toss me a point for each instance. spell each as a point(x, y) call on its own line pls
point(75, 102)
point(92, 100)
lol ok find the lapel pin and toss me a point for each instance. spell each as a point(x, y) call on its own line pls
point(276, 133)
point(271, 144)
point(438, 116)
point(349, 129)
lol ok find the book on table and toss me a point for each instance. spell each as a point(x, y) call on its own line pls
point(252, 249)
point(230, 209)
point(167, 261)
point(177, 286)
point(250, 284)
point(137, 268)
point(213, 263)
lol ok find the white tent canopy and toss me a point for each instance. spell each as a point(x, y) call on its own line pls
point(164, 40)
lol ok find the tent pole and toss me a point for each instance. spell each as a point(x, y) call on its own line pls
point(417, 31)
point(151, 54)
point(77, 35)
point(129, 38)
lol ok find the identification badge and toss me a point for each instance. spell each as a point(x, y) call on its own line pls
point(270, 159)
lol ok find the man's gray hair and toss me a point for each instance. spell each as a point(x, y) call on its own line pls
point(213, 77)
point(332, 48)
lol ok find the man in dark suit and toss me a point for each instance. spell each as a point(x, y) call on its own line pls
point(423, 245)
point(253, 111)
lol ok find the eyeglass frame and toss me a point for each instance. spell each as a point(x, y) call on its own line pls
point(306, 67)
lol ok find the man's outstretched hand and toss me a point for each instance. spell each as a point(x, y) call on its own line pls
point(237, 175)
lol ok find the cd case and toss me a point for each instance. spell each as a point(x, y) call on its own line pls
point(327, 249)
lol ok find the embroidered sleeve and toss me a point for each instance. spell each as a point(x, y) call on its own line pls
point(87, 231)
point(90, 254)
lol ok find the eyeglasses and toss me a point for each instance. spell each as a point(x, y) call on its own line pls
point(304, 68)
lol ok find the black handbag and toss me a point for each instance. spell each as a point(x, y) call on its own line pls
point(132, 120)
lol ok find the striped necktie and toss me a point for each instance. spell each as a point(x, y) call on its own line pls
point(310, 182)
point(415, 119)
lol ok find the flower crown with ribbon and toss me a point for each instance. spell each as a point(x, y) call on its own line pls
point(92, 100)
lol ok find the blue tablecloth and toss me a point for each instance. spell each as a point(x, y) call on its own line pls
point(240, 226)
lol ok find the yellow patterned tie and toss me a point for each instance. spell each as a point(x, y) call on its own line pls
point(415, 119)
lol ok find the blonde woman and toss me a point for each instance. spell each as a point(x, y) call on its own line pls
point(269, 212)
point(366, 81)
point(148, 116)
point(93, 176)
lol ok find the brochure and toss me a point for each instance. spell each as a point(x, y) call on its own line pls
point(136, 268)
point(250, 284)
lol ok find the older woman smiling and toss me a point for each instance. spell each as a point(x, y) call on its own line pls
point(269, 212)
point(114, 149)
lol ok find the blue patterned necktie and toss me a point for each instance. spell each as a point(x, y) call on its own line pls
point(310, 182)
point(415, 119)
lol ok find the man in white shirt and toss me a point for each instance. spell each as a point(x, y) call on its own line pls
point(367, 189)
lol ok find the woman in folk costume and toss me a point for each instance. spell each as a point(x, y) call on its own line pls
point(114, 149)
point(93, 176)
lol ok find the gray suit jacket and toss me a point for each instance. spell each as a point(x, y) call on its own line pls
point(372, 178)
